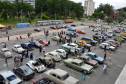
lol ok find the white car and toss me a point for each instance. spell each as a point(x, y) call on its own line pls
point(8, 77)
point(60, 76)
point(108, 46)
point(18, 49)
point(54, 55)
point(5, 52)
point(36, 66)
point(61, 52)
point(55, 38)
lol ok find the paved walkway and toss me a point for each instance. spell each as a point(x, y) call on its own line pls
point(24, 36)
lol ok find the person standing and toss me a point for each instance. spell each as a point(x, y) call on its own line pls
point(31, 56)
point(83, 75)
point(6, 61)
point(105, 66)
point(40, 49)
point(8, 37)
point(43, 50)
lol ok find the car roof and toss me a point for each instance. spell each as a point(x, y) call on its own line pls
point(6, 74)
point(60, 50)
point(91, 53)
point(59, 72)
point(4, 49)
point(17, 45)
point(78, 61)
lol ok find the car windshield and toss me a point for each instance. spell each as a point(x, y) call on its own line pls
point(59, 51)
point(65, 76)
point(36, 64)
point(11, 78)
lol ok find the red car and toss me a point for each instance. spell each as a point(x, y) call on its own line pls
point(44, 42)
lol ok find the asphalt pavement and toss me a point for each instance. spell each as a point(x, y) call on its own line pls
point(97, 77)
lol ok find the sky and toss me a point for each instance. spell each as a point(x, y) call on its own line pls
point(116, 3)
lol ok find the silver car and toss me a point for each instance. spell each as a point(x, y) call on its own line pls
point(60, 76)
point(5, 52)
point(8, 77)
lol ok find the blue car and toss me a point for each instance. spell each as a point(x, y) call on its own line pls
point(93, 56)
point(27, 46)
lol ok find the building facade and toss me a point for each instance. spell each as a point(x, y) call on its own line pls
point(31, 2)
point(89, 7)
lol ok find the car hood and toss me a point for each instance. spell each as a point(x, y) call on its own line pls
point(99, 59)
point(93, 62)
point(16, 81)
point(40, 68)
point(87, 67)
point(71, 80)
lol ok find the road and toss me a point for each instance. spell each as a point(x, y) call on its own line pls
point(97, 77)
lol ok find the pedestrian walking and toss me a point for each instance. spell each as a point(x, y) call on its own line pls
point(83, 75)
point(105, 66)
point(20, 37)
point(28, 35)
point(4, 45)
point(43, 50)
point(49, 42)
point(31, 56)
point(40, 49)
point(8, 38)
point(27, 54)
point(6, 61)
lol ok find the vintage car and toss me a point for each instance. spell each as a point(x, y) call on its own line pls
point(60, 76)
point(89, 61)
point(36, 66)
point(62, 53)
point(44, 42)
point(6, 53)
point(79, 65)
point(18, 49)
point(54, 55)
point(8, 77)
point(94, 56)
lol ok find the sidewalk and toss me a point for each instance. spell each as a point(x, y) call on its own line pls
point(24, 36)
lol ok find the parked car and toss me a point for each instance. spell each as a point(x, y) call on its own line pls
point(44, 42)
point(8, 77)
point(36, 66)
point(6, 53)
point(35, 43)
point(24, 72)
point(37, 29)
point(94, 56)
point(18, 49)
point(79, 65)
point(43, 80)
point(47, 61)
point(27, 46)
point(71, 48)
point(89, 41)
point(108, 46)
point(60, 76)
point(89, 61)
point(110, 34)
point(62, 53)
point(54, 55)
point(55, 38)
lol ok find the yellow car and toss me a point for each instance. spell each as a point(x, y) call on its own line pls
point(82, 43)
point(123, 34)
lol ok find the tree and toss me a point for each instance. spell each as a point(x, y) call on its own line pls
point(104, 10)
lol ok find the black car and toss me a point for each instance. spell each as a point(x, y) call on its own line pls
point(37, 29)
point(24, 72)
point(44, 81)
point(28, 46)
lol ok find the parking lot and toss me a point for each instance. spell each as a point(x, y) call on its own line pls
point(97, 77)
